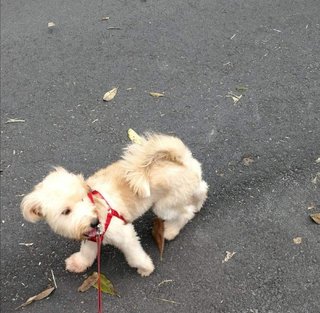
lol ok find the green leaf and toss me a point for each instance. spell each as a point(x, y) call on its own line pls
point(241, 88)
point(106, 286)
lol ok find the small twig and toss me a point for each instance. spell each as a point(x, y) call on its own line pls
point(14, 120)
point(113, 27)
point(26, 244)
point(169, 301)
point(165, 282)
point(54, 279)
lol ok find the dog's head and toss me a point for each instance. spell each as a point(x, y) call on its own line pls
point(61, 200)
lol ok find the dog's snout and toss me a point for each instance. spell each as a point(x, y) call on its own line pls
point(94, 223)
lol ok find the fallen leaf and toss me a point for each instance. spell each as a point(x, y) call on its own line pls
point(228, 256)
point(234, 97)
point(158, 234)
point(42, 295)
point(106, 286)
point(316, 178)
point(108, 96)
point(247, 160)
point(156, 94)
point(134, 137)
point(315, 217)
point(88, 282)
point(241, 88)
point(14, 120)
point(311, 206)
point(297, 240)
point(51, 25)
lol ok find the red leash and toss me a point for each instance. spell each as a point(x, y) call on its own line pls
point(99, 272)
point(99, 238)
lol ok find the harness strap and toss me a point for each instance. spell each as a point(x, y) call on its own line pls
point(111, 213)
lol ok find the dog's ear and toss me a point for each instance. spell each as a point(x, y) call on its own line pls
point(31, 207)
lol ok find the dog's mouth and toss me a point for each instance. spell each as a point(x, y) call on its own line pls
point(93, 232)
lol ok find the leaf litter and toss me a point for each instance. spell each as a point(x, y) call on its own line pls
point(315, 217)
point(316, 179)
point(89, 282)
point(297, 240)
point(51, 25)
point(27, 244)
point(241, 89)
point(14, 120)
point(109, 95)
point(228, 256)
point(247, 160)
point(92, 281)
point(156, 94)
point(158, 234)
point(106, 286)
point(235, 98)
point(168, 301)
point(166, 281)
point(134, 137)
point(40, 296)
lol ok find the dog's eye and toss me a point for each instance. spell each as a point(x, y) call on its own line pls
point(67, 211)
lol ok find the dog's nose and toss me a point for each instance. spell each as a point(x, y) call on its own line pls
point(94, 223)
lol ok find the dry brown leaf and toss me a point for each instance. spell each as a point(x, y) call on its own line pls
point(109, 95)
point(297, 240)
point(156, 94)
point(228, 256)
point(40, 296)
point(89, 282)
point(247, 160)
point(315, 217)
point(158, 234)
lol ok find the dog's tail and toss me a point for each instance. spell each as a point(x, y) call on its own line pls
point(153, 148)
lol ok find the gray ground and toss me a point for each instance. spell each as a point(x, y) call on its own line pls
point(195, 52)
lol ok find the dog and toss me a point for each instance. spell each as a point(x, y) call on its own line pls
point(159, 172)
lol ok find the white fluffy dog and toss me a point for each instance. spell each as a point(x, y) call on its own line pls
point(159, 172)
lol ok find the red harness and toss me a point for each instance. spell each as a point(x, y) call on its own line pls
point(111, 213)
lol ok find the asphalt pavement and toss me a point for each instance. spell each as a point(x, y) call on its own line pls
point(241, 85)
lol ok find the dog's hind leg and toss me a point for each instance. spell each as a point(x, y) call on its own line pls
point(124, 237)
point(200, 195)
point(172, 227)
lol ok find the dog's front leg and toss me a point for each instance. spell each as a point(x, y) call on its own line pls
point(124, 237)
point(80, 261)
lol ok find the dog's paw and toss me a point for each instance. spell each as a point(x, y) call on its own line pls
point(146, 269)
point(170, 231)
point(76, 263)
